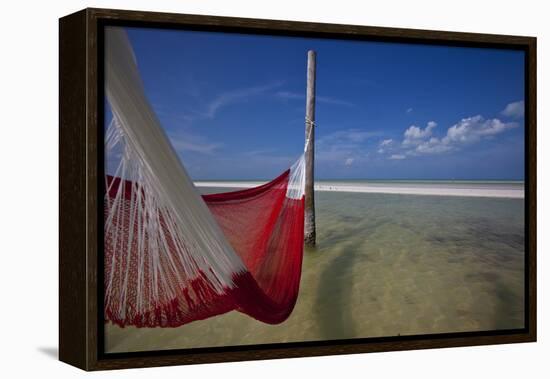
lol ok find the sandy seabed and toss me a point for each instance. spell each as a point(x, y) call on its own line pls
point(384, 265)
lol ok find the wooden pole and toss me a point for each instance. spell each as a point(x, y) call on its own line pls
point(309, 227)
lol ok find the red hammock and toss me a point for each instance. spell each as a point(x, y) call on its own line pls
point(265, 228)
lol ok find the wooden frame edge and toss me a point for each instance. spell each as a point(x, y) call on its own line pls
point(72, 179)
point(78, 71)
point(531, 172)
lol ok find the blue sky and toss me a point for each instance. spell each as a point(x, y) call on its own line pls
point(233, 106)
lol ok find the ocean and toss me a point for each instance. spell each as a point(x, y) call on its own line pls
point(384, 265)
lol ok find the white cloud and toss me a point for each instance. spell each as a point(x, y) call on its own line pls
point(432, 146)
point(409, 110)
point(349, 161)
point(474, 128)
point(384, 145)
point(467, 131)
point(516, 109)
point(470, 130)
point(386, 142)
point(415, 135)
point(397, 156)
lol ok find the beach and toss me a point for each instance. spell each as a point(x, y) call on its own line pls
point(503, 189)
point(384, 265)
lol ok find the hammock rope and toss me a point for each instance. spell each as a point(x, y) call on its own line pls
point(172, 256)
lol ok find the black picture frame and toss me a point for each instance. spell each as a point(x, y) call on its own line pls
point(81, 206)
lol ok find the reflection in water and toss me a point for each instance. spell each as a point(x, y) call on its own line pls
point(384, 265)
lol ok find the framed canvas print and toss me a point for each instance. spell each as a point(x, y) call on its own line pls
point(236, 189)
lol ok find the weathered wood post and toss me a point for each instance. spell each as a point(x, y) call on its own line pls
point(309, 227)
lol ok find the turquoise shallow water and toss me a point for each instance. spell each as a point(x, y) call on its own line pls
point(385, 265)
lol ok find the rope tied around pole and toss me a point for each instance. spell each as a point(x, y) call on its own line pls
point(311, 123)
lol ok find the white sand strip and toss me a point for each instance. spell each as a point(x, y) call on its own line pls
point(431, 190)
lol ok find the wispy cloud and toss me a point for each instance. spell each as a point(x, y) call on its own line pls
point(260, 152)
point(184, 143)
point(269, 162)
point(397, 156)
point(384, 144)
point(344, 147)
point(320, 99)
point(334, 101)
point(211, 108)
point(515, 109)
point(347, 136)
point(290, 95)
point(409, 110)
point(236, 96)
